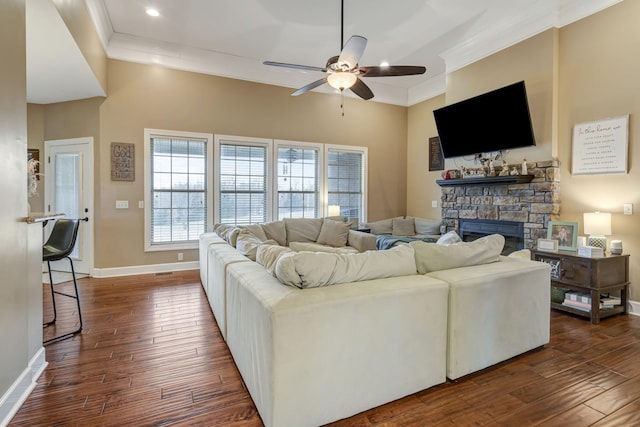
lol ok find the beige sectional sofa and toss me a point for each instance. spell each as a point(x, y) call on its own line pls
point(353, 330)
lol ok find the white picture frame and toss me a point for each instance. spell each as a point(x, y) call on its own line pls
point(600, 147)
point(548, 245)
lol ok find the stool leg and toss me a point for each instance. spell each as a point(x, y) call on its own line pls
point(77, 298)
point(53, 297)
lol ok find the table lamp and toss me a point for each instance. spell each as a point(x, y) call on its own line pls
point(597, 225)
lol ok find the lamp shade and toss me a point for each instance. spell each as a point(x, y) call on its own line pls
point(334, 210)
point(597, 223)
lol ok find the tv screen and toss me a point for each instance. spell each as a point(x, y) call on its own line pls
point(494, 121)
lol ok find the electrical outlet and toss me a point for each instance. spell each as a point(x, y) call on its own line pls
point(628, 208)
point(434, 203)
point(180, 256)
point(122, 204)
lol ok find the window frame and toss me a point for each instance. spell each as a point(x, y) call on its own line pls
point(281, 143)
point(244, 141)
point(364, 177)
point(148, 179)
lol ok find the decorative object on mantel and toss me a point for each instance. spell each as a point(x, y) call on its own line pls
point(601, 146)
point(524, 167)
point(597, 225)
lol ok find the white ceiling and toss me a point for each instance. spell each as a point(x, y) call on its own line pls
point(233, 38)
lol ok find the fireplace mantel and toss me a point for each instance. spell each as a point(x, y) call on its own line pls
point(487, 180)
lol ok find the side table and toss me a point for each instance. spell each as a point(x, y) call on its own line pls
point(594, 276)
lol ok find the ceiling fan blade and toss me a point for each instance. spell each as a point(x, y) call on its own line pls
point(309, 87)
point(392, 70)
point(352, 51)
point(298, 67)
point(362, 90)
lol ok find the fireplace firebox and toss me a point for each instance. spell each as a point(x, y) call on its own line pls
point(513, 232)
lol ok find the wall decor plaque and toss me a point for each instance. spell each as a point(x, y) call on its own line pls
point(436, 159)
point(122, 161)
point(600, 147)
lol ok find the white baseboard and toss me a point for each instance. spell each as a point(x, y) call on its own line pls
point(145, 269)
point(634, 308)
point(19, 391)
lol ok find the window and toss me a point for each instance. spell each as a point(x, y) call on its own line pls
point(176, 201)
point(298, 180)
point(242, 192)
point(346, 187)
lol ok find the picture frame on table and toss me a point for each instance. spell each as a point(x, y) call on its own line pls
point(566, 233)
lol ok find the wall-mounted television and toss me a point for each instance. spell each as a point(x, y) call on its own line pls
point(494, 121)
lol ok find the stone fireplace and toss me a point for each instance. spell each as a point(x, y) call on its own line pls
point(510, 206)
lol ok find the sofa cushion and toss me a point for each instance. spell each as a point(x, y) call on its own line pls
point(247, 244)
point(302, 229)
point(256, 230)
point(384, 226)
point(309, 270)
point(228, 232)
point(276, 231)
point(403, 227)
point(333, 233)
point(449, 238)
point(267, 255)
point(434, 257)
point(316, 247)
point(427, 226)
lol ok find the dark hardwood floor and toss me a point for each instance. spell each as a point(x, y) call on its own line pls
point(151, 354)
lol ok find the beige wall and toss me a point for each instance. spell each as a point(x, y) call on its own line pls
point(584, 71)
point(599, 78)
point(421, 184)
point(14, 253)
point(143, 96)
point(77, 19)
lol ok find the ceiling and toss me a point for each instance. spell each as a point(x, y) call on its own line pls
point(233, 38)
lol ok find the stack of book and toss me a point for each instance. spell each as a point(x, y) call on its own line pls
point(590, 251)
point(582, 301)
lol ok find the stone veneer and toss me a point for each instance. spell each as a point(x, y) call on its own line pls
point(533, 204)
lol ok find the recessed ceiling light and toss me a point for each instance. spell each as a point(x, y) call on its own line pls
point(384, 64)
point(153, 12)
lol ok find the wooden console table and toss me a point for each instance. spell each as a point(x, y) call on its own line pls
point(594, 276)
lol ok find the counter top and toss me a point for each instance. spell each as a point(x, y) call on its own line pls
point(40, 217)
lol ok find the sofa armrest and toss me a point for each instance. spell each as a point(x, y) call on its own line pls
point(361, 241)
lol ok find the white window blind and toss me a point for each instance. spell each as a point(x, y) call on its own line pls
point(298, 183)
point(345, 182)
point(178, 189)
point(242, 184)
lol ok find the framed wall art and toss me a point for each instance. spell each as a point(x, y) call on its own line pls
point(566, 233)
point(600, 147)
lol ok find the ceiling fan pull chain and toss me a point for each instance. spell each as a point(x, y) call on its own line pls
point(342, 101)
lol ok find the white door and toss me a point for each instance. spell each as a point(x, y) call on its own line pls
point(68, 169)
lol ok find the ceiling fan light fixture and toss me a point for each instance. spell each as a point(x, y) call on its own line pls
point(341, 80)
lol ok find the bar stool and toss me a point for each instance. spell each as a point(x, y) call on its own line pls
point(59, 245)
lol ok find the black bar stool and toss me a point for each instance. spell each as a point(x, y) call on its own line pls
point(59, 245)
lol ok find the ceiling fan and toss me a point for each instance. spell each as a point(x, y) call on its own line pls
point(343, 71)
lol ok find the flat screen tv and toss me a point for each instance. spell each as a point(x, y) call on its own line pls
point(494, 121)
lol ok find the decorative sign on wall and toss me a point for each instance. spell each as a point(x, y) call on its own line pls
point(436, 161)
point(122, 161)
point(600, 147)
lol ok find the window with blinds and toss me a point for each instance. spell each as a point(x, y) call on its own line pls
point(177, 180)
point(298, 182)
point(345, 182)
point(242, 193)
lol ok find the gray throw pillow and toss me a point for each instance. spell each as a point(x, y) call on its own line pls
point(403, 227)
point(334, 233)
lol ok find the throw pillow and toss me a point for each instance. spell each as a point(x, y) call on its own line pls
point(302, 229)
point(403, 227)
point(434, 257)
point(449, 238)
point(521, 254)
point(247, 244)
point(256, 230)
point(384, 226)
point(267, 256)
point(276, 231)
point(310, 270)
point(427, 226)
point(334, 233)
